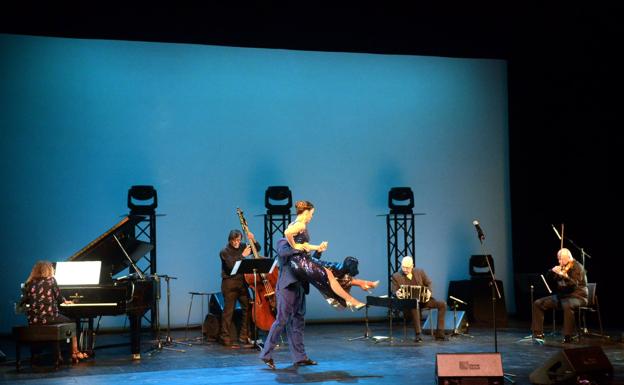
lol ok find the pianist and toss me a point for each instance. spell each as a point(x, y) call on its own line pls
point(417, 277)
point(42, 297)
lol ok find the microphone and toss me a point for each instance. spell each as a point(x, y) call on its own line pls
point(556, 232)
point(457, 300)
point(480, 234)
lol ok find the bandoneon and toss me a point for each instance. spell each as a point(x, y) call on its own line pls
point(421, 293)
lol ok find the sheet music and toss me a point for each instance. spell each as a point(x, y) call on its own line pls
point(547, 287)
point(78, 273)
point(273, 266)
point(235, 268)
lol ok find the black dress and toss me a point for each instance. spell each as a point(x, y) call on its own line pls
point(310, 268)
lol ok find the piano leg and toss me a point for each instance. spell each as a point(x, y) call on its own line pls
point(135, 336)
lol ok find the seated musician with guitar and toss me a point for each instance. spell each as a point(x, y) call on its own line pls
point(234, 287)
point(42, 298)
point(571, 292)
point(417, 277)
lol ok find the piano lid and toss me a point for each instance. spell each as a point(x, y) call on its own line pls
point(106, 249)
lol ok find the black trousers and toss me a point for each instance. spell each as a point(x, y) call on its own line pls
point(414, 314)
point(234, 289)
point(568, 305)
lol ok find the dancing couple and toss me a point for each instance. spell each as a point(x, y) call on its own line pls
point(300, 265)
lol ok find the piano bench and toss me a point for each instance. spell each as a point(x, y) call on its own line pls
point(43, 334)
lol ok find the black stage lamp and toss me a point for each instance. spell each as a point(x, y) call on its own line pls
point(278, 200)
point(401, 200)
point(142, 193)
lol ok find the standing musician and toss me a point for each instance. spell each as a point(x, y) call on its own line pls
point(571, 292)
point(234, 287)
point(417, 277)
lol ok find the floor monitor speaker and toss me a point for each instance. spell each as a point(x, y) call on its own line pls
point(469, 368)
point(575, 366)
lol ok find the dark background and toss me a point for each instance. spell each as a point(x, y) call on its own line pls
point(561, 108)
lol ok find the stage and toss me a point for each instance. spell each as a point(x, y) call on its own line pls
point(341, 360)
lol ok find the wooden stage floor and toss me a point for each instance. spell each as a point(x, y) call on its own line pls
point(361, 361)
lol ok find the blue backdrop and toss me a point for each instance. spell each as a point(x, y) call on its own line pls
point(211, 127)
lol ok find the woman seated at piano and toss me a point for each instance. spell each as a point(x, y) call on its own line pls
point(43, 296)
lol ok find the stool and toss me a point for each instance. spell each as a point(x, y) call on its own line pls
point(188, 318)
point(33, 334)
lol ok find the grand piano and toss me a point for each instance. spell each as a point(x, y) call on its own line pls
point(131, 295)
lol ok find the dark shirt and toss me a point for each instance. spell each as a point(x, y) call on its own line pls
point(43, 296)
point(229, 256)
point(419, 278)
point(574, 285)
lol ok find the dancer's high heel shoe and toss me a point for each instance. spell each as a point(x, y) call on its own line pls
point(370, 285)
point(78, 356)
point(353, 307)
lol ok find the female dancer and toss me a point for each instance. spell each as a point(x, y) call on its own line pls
point(43, 296)
point(321, 273)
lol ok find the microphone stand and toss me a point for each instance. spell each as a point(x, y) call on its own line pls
point(495, 294)
point(166, 345)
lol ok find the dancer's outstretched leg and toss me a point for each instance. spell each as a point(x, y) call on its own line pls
point(335, 286)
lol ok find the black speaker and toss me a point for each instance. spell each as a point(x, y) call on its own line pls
point(469, 368)
point(212, 323)
point(212, 327)
point(478, 294)
point(575, 366)
point(432, 317)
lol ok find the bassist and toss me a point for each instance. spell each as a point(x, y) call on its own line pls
point(234, 287)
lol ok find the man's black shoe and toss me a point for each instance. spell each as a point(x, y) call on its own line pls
point(440, 337)
point(417, 338)
point(306, 362)
point(269, 362)
point(567, 339)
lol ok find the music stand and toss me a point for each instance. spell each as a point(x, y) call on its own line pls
point(254, 266)
point(456, 331)
point(391, 303)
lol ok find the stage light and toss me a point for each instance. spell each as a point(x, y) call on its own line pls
point(401, 200)
point(142, 193)
point(278, 200)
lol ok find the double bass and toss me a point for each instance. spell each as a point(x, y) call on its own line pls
point(263, 286)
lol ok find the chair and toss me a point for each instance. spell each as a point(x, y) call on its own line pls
point(478, 267)
point(592, 307)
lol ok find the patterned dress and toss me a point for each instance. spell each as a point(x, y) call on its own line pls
point(43, 298)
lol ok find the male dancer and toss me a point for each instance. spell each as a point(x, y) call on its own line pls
point(290, 294)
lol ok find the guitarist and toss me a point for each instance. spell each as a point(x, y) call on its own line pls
point(234, 287)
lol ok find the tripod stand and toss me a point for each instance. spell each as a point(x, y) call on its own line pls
point(166, 344)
